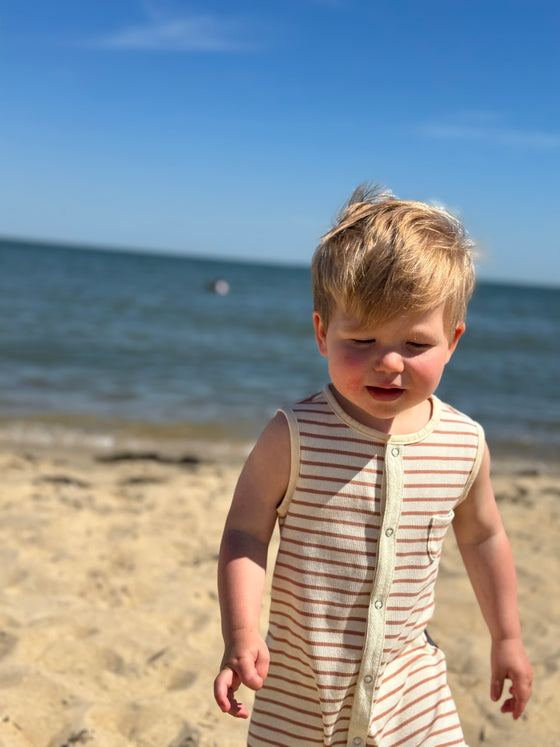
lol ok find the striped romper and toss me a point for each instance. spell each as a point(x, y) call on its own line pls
point(361, 531)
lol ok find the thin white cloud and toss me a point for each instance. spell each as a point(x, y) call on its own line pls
point(194, 33)
point(491, 133)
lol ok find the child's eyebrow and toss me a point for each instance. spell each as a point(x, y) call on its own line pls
point(420, 330)
point(358, 330)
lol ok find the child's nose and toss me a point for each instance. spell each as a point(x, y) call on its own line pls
point(389, 361)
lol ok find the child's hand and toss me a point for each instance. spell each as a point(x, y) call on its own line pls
point(509, 661)
point(245, 662)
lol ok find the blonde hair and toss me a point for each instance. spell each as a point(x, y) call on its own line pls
point(386, 257)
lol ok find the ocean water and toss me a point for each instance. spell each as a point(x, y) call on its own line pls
point(106, 347)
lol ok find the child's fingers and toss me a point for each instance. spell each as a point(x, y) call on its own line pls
point(507, 706)
point(520, 694)
point(250, 670)
point(261, 666)
point(521, 691)
point(223, 685)
point(249, 675)
point(509, 662)
point(496, 688)
point(238, 710)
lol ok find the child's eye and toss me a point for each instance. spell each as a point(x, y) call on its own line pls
point(418, 345)
point(362, 342)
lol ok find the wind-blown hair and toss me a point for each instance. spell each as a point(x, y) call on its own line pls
point(386, 257)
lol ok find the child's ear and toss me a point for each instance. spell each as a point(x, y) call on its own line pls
point(459, 329)
point(320, 334)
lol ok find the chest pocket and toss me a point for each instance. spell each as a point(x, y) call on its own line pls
point(437, 528)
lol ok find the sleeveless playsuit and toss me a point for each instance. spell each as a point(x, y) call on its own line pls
point(361, 531)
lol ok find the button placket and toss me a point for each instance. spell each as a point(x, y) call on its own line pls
point(375, 634)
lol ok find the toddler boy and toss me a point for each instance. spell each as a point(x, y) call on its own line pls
point(364, 479)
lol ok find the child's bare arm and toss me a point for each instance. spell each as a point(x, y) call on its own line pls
point(487, 556)
point(242, 565)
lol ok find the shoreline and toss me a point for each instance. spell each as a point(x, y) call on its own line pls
point(88, 434)
point(109, 623)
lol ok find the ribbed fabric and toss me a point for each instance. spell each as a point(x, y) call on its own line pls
point(361, 529)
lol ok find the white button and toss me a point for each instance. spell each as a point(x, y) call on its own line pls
point(357, 741)
point(368, 679)
point(395, 452)
point(378, 604)
point(389, 532)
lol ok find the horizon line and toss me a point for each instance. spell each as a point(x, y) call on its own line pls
point(80, 245)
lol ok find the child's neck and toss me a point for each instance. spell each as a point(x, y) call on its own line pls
point(412, 420)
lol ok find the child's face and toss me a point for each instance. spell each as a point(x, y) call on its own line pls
point(383, 374)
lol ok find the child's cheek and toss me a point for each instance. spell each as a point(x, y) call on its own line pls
point(354, 357)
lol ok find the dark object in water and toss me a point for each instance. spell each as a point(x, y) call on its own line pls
point(219, 286)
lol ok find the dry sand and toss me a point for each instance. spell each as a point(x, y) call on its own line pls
point(109, 626)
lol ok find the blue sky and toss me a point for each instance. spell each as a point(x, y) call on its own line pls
point(238, 129)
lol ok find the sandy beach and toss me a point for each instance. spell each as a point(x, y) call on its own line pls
point(109, 624)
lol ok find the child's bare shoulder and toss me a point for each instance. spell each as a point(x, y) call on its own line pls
point(263, 480)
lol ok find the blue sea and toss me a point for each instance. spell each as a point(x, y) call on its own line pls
point(128, 349)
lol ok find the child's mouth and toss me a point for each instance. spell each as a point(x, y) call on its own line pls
point(385, 394)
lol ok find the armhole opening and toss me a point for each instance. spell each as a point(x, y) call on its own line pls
point(476, 464)
point(282, 508)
